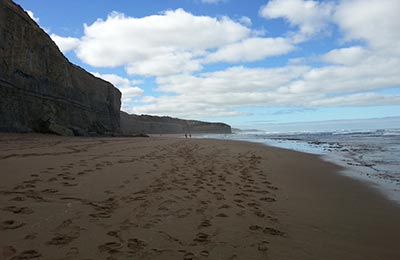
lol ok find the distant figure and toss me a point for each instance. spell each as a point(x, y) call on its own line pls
point(190, 135)
point(185, 135)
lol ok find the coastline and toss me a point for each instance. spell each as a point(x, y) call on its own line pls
point(364, 159)
point(176, 198)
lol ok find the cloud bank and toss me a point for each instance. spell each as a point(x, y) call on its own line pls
point(176, 47)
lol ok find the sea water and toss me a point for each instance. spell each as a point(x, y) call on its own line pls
point(372, 156)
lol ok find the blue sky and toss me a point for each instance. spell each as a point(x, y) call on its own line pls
point(246, 63)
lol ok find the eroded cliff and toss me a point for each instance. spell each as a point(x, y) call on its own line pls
point(135, 124)
point(41, 91)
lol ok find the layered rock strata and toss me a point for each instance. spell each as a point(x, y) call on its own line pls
point(41, 91)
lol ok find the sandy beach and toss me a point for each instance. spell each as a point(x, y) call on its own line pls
point(175, 198)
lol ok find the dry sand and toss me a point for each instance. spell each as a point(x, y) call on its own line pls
point(170, 198)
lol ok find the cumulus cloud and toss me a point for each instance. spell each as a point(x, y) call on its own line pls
point(309, 16)
point(157, 44)
point(65, 43)
point(375, 21)
point(354, 76)
point(171, 42)
point(165, 64)
point(346, 56)
point(251, 49)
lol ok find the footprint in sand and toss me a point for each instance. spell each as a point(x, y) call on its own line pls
point(273, 231)
point(255, 227)
point(11, 224)
point(201, 237)
point(37, 198)
point(115, 234)
point(253, 204)
point(28, 254)
point(110, 247)
point(101, 215)
point(205, 223)
point(259, 214)
point(30, 236)
point(189, 256)
point(69, 184)
point(273, 219)
point(61, 239)
point(49, 191)
point(268, 199)
point(222, 215)
point(18, 210)
point(135, 245)
point(225, 206)
point(24, 186)
point(263, 246)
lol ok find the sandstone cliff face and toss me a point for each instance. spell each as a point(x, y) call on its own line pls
point(41, 90)
point(134, 124)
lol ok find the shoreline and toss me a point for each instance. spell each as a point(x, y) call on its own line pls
point(176, 198)
point(351, 167)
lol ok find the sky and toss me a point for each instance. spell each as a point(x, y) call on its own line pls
point(250, 64)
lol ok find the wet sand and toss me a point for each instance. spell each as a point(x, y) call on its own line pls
point(172, 198)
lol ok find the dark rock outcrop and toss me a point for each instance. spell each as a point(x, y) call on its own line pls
point(133, 124)
point(41, 91)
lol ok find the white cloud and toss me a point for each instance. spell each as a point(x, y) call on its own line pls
point(149, 45)
point(310, 16)
point(127, 87)
point(171, 42)
point(251, 49)
point(165, 64)
point(346, 56)
point(375, 21)
point(32, 15)
point(175, 44)
point(353, 77)
point(231, 80)
point(65, 43)
point(359, 99)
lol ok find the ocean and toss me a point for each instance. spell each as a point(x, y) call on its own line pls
point(372, 156)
